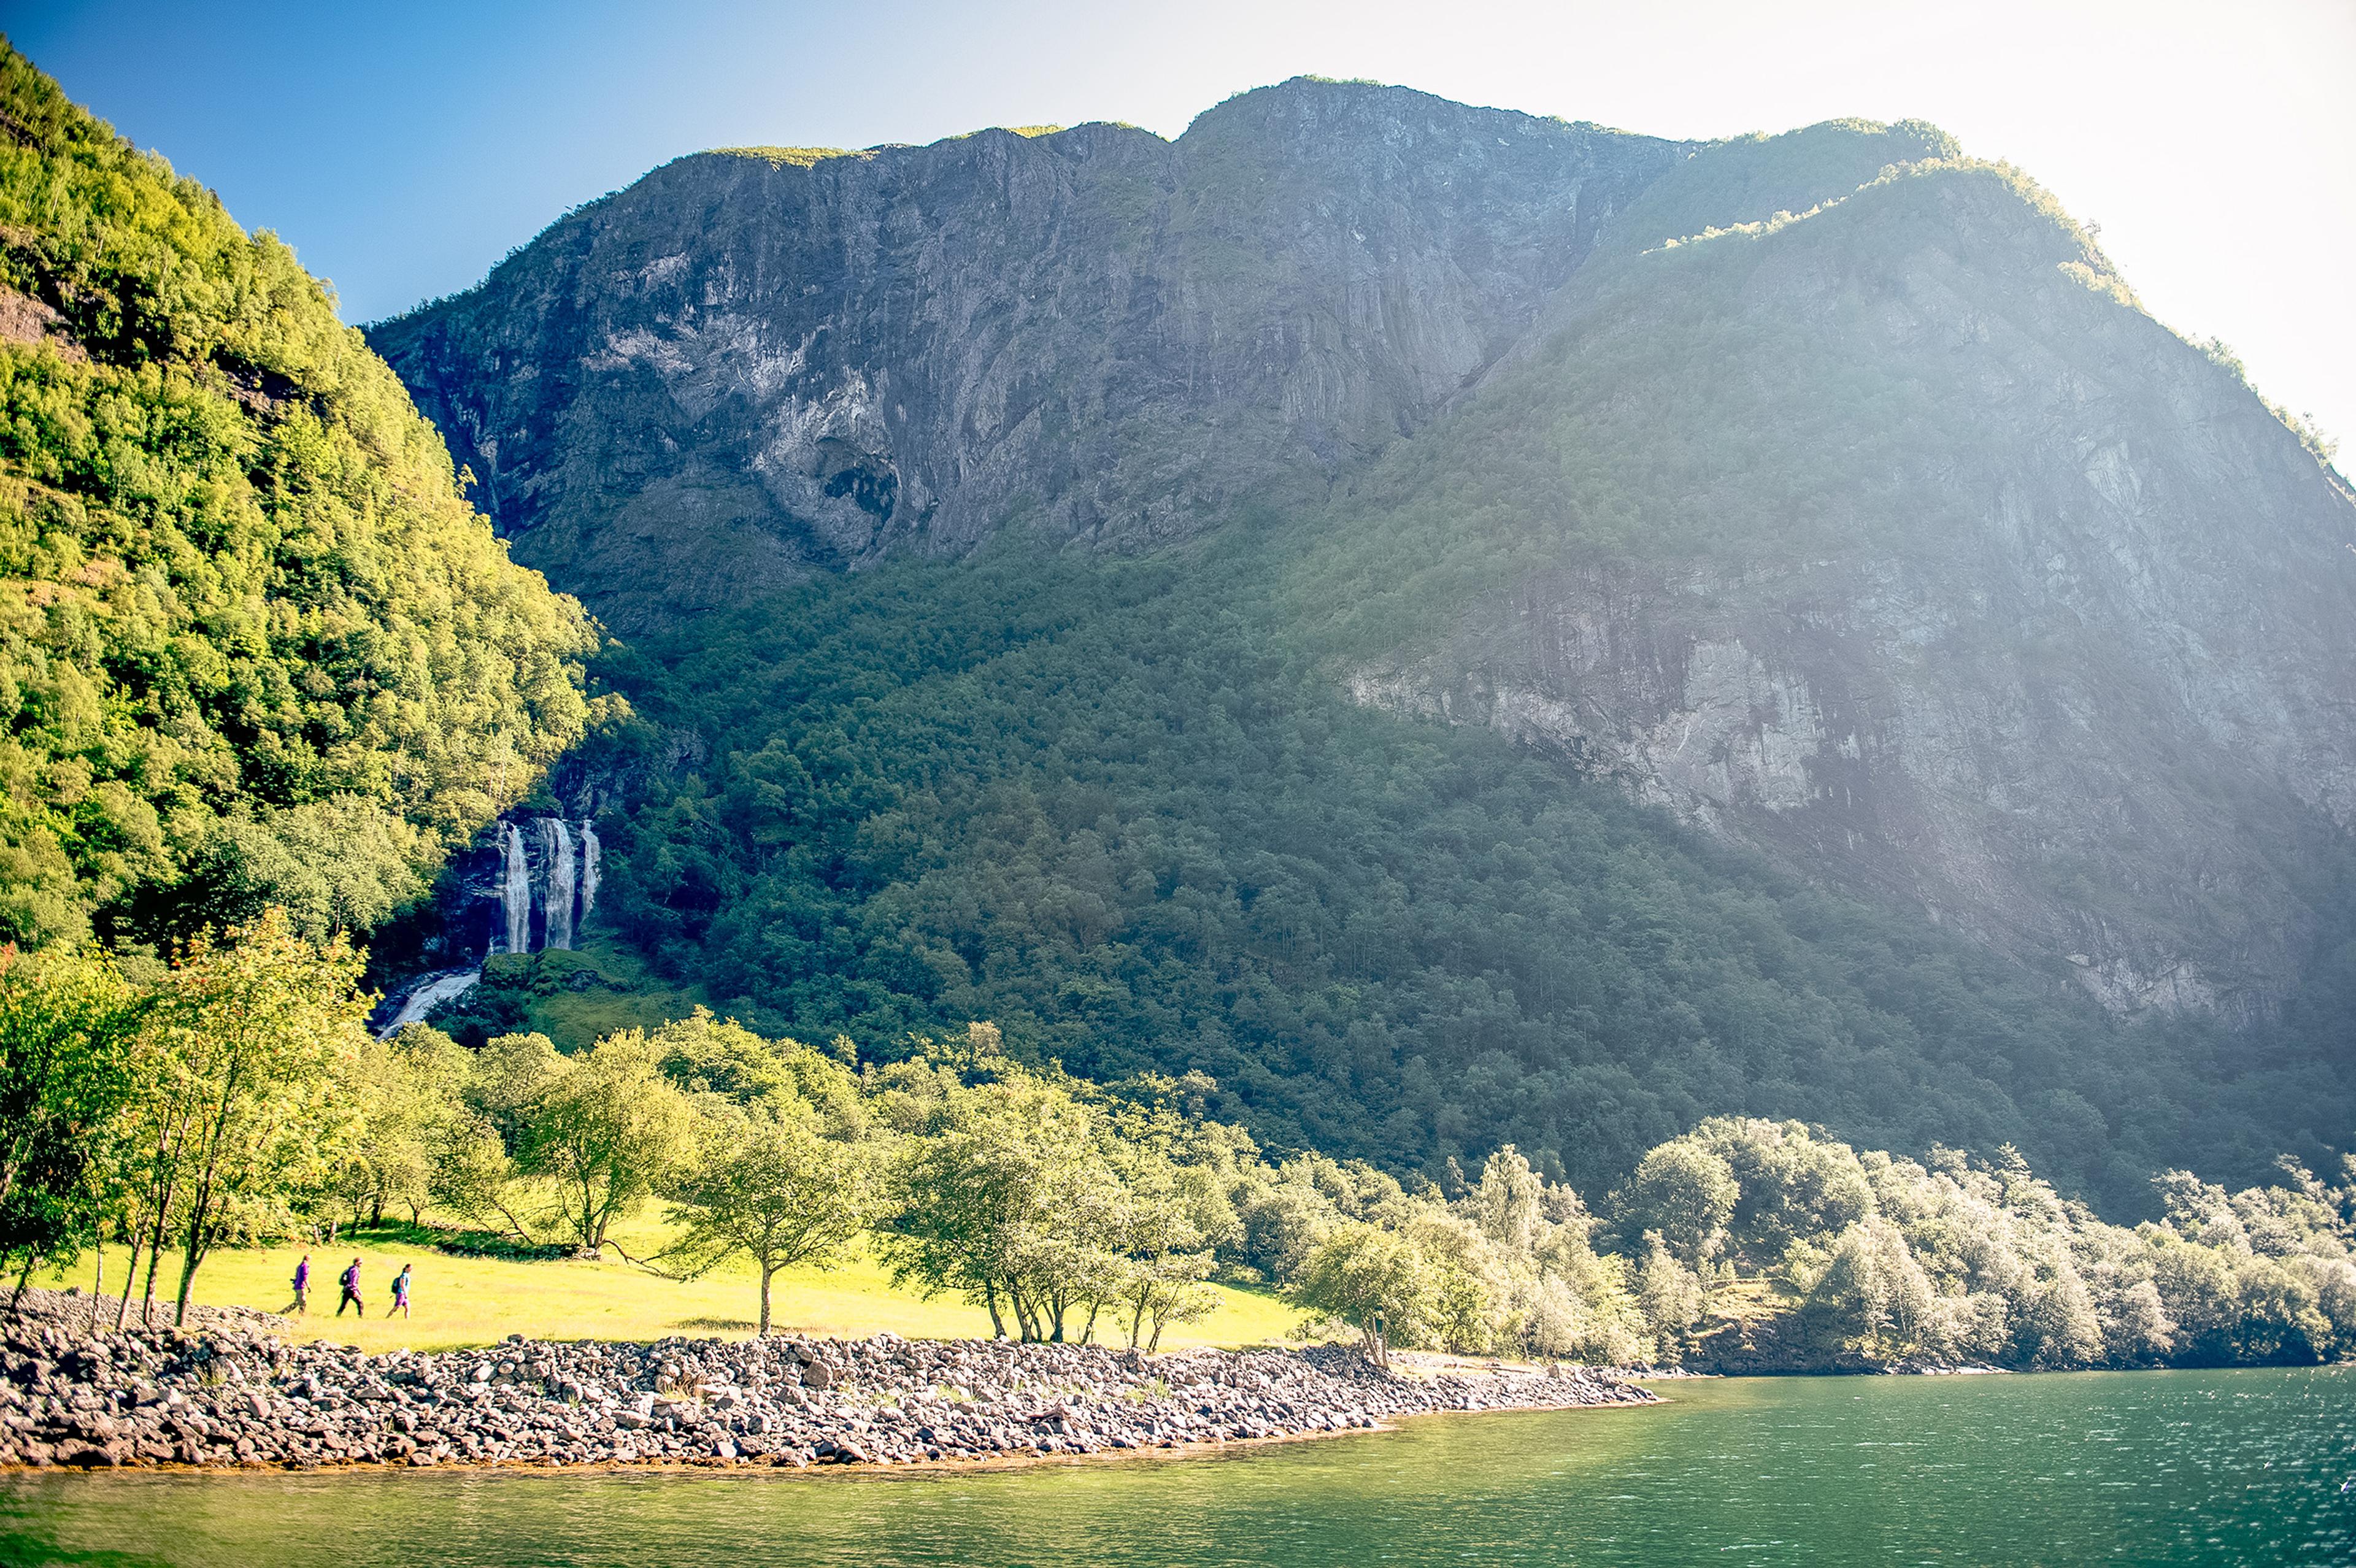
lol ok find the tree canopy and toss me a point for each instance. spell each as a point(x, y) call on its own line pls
point(255, 646)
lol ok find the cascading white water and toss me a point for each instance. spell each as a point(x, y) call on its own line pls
point(588, 867)
point(429, 993)
point(515, 894)
point(556, 848)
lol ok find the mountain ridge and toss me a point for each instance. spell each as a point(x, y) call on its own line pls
point(1153, 349)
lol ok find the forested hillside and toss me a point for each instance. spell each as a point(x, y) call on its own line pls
point(1119, 808)
point(255, 645)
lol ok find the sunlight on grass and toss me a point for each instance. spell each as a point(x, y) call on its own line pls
point(459, 1301)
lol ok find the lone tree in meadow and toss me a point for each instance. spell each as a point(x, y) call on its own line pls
point(767, 1183)
point(604, 1130)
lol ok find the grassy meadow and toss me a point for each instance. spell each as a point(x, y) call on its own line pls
point(460, 1301)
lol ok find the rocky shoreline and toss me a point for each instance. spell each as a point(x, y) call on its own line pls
point(226, 1395)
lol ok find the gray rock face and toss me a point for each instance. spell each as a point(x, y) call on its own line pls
point(748, 367)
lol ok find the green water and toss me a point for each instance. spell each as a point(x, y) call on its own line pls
point(2170, 1467)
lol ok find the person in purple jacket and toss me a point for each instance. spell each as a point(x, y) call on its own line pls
point(302, 1285)
point(351, 1297)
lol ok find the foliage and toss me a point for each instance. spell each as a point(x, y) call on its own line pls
point(250, 1050)
point(1122, 809)
point(254, 647)
point(412, 1119)
point(604, 1130)
point(68, 1029)
point(1005, 1195)
point(1375, 1281)
point(240, 1097)
point(574, 997)
point(778, 1175)
point(1684, 1194)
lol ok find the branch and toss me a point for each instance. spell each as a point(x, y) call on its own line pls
point(513, 1223)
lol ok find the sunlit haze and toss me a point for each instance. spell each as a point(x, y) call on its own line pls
point(403, 152)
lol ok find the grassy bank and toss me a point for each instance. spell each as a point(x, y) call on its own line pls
point(460, 1301)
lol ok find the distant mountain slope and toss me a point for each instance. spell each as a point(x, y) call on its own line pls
point(253, 644)
point(1897, 539)
point(1825, 488)
point(1120, 808)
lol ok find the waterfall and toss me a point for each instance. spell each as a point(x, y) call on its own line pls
point(427, 995)
point(588, 867)
point(556, 844)
point(515, 894)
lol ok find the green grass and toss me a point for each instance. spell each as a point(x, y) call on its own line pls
point(460, 1301)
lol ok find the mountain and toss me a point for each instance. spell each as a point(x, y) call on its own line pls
point(1897, 540)
point(1892, 537)
point(1212, 604)
point(254, 645)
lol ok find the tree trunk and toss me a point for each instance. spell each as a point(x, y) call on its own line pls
point(98, 1282)
point(990, 1299)
point(16, 1302)
point(187, 1283)
point(198, 1220)
point(768, 1271)
point(130, 1279)
point(155, 1261)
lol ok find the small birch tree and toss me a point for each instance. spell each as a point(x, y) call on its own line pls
point(766, 1182)
point(253, 1038)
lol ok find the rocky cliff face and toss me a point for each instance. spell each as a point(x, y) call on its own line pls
point(750, 366)
point(1891, 537)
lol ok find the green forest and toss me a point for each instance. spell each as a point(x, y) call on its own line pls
point(239, 1098)
point(1122, 809)
point(255, 646)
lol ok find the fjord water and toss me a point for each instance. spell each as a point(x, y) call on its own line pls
point(2159, 1467)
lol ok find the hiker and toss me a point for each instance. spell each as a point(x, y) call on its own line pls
point(400, 1292)
point(353, 1291)
point(302, 1285)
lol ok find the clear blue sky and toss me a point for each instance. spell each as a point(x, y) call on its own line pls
point(404, 148)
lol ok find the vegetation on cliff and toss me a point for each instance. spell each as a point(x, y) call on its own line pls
point(1121, 810)
point(255, 647)
point(1122, 806)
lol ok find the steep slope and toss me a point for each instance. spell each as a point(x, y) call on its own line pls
point(254, 645)
point(755, 364)
point(1896, 540)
